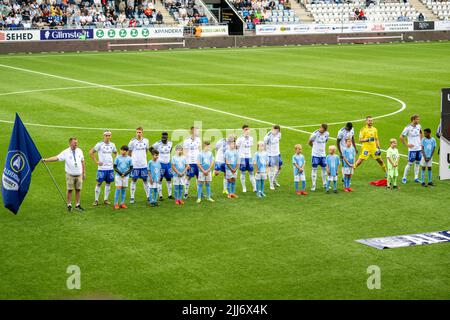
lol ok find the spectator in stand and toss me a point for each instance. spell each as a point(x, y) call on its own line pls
point(159, 18)
point(421, 17)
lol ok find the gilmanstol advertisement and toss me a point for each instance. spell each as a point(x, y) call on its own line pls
point(313, 28)
point(138, 33)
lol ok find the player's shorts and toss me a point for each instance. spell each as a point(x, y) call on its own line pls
point(300, 177)
point(347, 170)
point(246, 165)
point(367, 153)
point(177, 180)
point(230, 175)
point(121, 181)
point(427, 164)
point(261, 176)
point(166, 171)
point(141, 173)
point(319, 161)
point(218, 166)
point(192, 171)
point(392, 172)
point(204, 178)
point(275, 161)
point(74, 182)
point(105, 176)
point(332, 178)
point(414, 156)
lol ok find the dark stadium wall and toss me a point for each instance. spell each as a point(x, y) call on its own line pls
point(217, 42)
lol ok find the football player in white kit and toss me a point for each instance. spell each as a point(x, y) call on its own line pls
point(318, 141)
point(244, 144)
point(105, 163)
point(413, 133)
point(164, 146)
point(272, 141)
point(219, 165)
point(138, 148)
point(191, 146)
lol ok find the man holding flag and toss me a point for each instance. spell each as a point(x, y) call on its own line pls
point(75, 171)
point(21, 159)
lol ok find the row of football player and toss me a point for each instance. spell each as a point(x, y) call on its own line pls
point(152, 174)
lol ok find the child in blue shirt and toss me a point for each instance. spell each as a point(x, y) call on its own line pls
point(123, 166)
point(333, 162)
point(154, 173)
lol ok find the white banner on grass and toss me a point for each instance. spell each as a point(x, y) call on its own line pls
point(138, 33)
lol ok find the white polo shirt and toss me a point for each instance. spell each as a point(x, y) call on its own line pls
point(72, 159)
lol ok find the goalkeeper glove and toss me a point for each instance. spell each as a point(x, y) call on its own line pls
point(378, 152)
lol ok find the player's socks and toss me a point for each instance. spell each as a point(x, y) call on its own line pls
point(123, 195)
point(277, 174)
point(107, 191)
point(225, 184)
point(199, 191)
point(233, 187)
point(334, 185)
point(328, 184)
point(345, 182)
point(97, 192)
point(229, 187)
point(296, 186)
point(271, 177)
point(186, 190)
point(155, 195)
point(303, 185)
point(314, 177)
point(116, 196)
point(180, 192)
point(416, 171)
point(253, 181)
point(175, 192)
point(383, 167)
point(159, 186)
point(133, 189)
point(324, 176)
point(262, 186)
point(405, 173)
point(169, 188)
point(208, 189)
point(430, 176)
point(243, 182)
point(422, 175)
point(147, 188)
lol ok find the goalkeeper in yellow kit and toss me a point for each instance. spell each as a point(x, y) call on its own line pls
point(370, 144)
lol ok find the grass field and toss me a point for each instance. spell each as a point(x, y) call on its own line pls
point(281, 247)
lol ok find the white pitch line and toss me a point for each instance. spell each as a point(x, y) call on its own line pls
point(166, 99)
point(403, 104)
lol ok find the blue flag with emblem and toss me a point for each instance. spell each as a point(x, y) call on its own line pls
point(21, 159)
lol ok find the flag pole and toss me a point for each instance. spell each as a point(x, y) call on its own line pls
point(54, 182)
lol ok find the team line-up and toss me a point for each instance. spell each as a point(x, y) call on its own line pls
point(194, 159)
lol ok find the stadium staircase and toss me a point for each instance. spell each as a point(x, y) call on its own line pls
point(167, 18)
point(420, 7)
point(300, 11)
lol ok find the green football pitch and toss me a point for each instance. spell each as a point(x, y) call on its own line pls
point(280, 247)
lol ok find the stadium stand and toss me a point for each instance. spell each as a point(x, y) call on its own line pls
point(337, 12)
point(186, 12)
point(264, 11)
point(24, 14)
point(440, 8)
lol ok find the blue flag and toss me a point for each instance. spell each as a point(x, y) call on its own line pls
point(21, 159)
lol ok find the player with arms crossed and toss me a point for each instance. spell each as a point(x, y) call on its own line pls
point(221, 148)
point(413, 133)
point(318, 142)
point(428, 148)
point(191, 147)
point(138, 148)
point(105, 163)
point(272, 141)
point(368, 137)
point(164, 147)
point(244, 144)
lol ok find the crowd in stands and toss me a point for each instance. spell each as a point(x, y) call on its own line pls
point(265, 11)
point(333, 11)
point(24, 14)
point(186, 12)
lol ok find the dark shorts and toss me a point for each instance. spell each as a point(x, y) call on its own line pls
point(105, 176)
point(141, 173)
point(193, 171)
point(319, 161)
point(414, 156)
point(246, 165)
point(166, 171)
